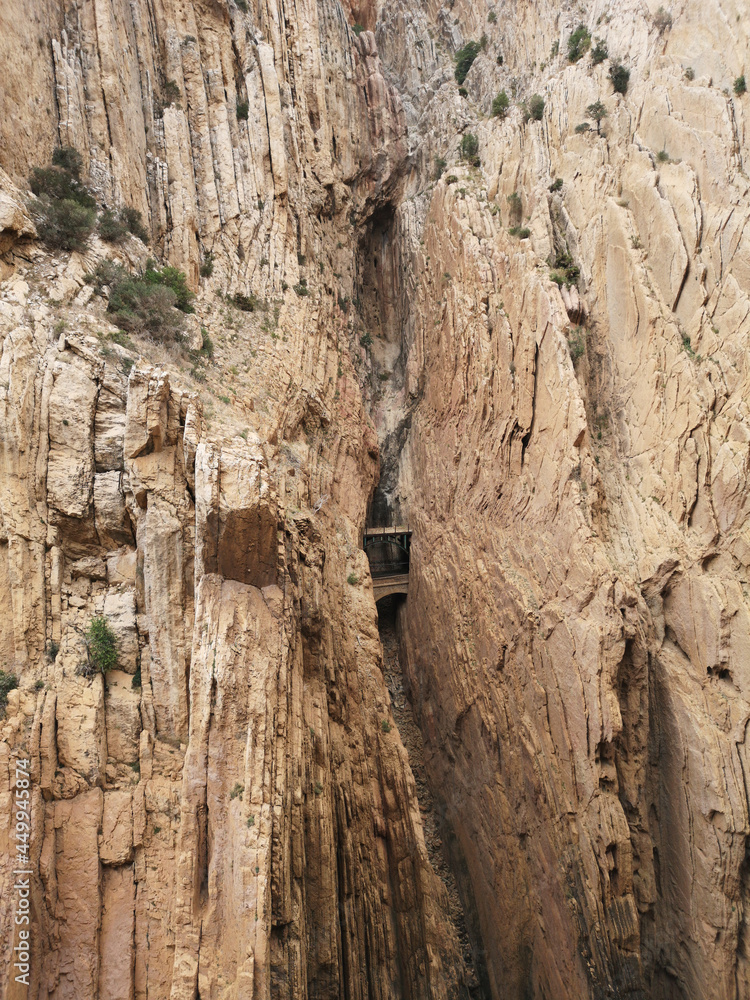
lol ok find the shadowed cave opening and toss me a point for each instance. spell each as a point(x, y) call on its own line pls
point(442, 847)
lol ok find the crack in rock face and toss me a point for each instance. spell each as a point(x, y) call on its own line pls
point(268, 278)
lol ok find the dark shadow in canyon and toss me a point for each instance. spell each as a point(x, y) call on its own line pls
point(442, 847)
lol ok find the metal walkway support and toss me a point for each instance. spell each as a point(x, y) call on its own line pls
point(388, 551)
point(384, 586)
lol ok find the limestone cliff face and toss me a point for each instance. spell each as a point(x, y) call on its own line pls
point(232, 813)
point(577, 626)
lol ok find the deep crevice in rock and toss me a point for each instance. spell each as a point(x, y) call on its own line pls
point(442, 848)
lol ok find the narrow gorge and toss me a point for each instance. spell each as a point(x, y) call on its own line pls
point(273, 275)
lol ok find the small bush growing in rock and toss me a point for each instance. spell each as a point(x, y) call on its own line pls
point(243, 110)
point(64, 225)
point(146, 304)
point(535, 108)
point(662, 156)
point(619, 76)
point(358, 29)
point(556, 185)
point(237, 791)
point(246, 303)
point(578, 43)
point(68, 159)
point(8, 682)
point(492, 17)
point(440, 164)
point(64, 210)
point(207, 265)
point(385, 726)
point(111, 228)
point(172, 93)
point(500, 105)
point(689, 73)
point(515, 208)
point(53, 648)
point(662, 19)
point(133, 219)
point(352, 579)
point(56, 184)
point(464, 60)
point(600, 52)
point(469, 148)
point(105, 274)
point(576, 343)
point(173, 279)
point(565, 265)
point(101, 648)
point(207, 348)
point(740, 87)
point(463, 92)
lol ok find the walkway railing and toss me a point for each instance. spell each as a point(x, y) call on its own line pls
point(388, 550)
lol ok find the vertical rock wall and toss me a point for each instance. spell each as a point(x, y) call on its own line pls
point(232, 813)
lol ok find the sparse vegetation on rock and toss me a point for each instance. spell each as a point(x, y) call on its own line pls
point(500, 105)
point(599, 52)
point(465, 58)
point(619, 76)
point(578, 43)
point(8, 682)
point(101, 648)
point(469, 148)
point(64, 209)
point(535, 108)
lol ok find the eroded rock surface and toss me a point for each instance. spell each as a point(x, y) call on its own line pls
point(231, 812)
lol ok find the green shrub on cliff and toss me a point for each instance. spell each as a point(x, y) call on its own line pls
point(149, 303)
point(500, 105)
point(578, 43)
point(600, 52)
point(464, 59)
point(64, 225)
point(64, 209)
point(469, 148)
point(101, 648)
point(619, 76)
point(7, 683)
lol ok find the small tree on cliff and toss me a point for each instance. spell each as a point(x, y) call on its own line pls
point(596, 112)
point(500, 105)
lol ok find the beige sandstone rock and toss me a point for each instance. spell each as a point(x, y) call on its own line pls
point(576, 635)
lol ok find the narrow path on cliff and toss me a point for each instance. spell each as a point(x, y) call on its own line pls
point(411, 737)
